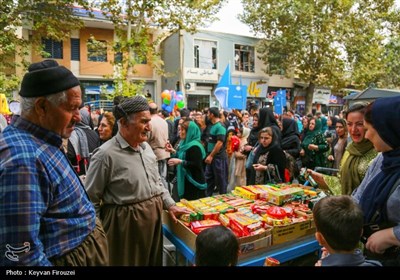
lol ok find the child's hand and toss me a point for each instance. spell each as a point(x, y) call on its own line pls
point(324, 252)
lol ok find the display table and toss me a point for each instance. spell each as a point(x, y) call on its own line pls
point(282, 252)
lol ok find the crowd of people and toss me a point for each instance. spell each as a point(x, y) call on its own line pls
point(78, 190)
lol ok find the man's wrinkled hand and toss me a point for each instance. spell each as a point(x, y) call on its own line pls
point(175, 211)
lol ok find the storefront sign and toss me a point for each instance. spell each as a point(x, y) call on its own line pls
point(257, 89)
point(206, 75)
point(336, 100)
point(321, 96)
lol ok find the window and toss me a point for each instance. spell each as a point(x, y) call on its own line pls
point(140, 60)
point(97, 50)
point(244, 58)
point(214, 58)
point(196, 56)
point(75, 51)
point(53, 48)
point(118, 57)
point(205, 54)
point(117, 53)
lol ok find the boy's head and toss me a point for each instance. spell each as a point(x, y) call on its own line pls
point(217, 246)
point(339, 222)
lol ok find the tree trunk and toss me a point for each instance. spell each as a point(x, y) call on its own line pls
point(309, 97)
point(128, 39)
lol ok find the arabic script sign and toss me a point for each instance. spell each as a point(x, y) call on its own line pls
point(321, 96)
point(210, 75)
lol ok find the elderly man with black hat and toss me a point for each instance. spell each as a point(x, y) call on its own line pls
point(46, 217)
point(124, 184)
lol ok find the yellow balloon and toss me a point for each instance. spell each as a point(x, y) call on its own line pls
point(4, 105)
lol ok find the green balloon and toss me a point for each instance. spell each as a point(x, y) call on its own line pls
point(166, 101)
point(180, 104)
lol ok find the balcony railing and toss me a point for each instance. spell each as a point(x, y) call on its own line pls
point(106, 105)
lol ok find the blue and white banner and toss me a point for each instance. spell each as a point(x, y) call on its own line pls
point(279, 101)
point(230, 96)
point(237, 97)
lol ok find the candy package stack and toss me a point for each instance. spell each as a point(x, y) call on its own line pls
point(250, 210)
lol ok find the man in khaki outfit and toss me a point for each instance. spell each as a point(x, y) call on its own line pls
point(123, 175)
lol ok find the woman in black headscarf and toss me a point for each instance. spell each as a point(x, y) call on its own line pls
point(253, 136)
point(291, 146)
point(290, 137)
point(267, 119)
point(269, 160)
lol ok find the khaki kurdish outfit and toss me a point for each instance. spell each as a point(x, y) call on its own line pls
point(125, 186)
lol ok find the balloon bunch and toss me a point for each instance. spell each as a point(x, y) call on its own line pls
point(172, 101)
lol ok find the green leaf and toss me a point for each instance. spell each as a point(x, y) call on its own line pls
point(327, 42)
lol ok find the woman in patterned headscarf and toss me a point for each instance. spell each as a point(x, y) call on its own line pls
point(314, 146)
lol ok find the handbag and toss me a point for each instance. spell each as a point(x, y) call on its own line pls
point(250, 159)
point(392, 253)
point(273, 174)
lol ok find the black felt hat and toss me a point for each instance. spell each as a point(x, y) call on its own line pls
point(45, 78)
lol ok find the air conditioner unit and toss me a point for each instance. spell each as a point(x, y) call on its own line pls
point(191, 87)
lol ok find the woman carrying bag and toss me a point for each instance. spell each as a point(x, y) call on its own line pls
point(269, 160)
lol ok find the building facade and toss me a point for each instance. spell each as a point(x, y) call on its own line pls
point(195, 63)
point(93, 67)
